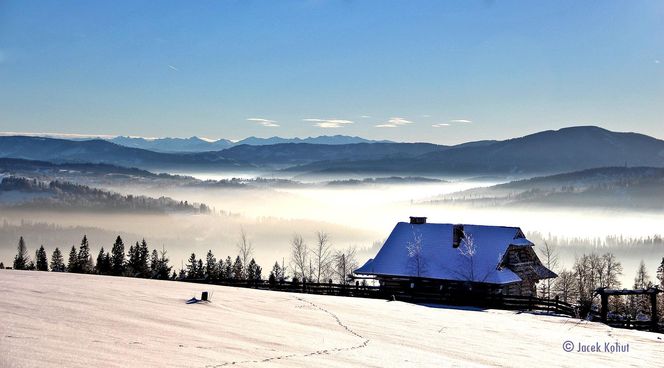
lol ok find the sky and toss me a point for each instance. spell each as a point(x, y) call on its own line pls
point(437, 71)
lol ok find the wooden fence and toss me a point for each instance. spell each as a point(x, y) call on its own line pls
point(523, 303)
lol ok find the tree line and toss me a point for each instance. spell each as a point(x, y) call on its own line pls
point(318, 263)
point(592, 271)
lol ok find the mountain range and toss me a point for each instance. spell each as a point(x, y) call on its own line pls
point(568, 149)
point(196, 144)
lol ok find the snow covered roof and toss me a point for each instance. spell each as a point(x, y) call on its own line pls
point(426, 250)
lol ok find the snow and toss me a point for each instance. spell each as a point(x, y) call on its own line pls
point(441, 260)
point(54, 320)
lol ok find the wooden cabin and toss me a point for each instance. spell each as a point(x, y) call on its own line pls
point(456, 258)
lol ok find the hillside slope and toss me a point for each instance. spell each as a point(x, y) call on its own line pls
point(53, 320)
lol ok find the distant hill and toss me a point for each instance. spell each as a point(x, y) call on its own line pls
point(621, 187)
point(568, 149)
point(564, 150)
point(195, 144)
point(17, 192)
point(298, 153)
point(101, 151)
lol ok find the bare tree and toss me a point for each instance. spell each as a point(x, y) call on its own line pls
point(322, 255)
point(467, 249)
point(550, 259)
point(244, 247)
point(416, 260)
point(299, 256)
point(345, 262)
point(612, 269)
point(564, 286)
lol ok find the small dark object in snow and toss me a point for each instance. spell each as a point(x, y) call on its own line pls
point(204, 296)
point(193, 300)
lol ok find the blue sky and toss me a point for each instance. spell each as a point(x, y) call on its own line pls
point(439, 71)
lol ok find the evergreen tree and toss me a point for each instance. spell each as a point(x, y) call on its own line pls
point(254, 271)
point(42, 259)
point(31, 266)
point(200, 270)
point(660, 274)
point(103, 262)
point(143, 259)
point(21, 259)
point(278, 272)
point(228, 268)
point(211, 266)
point(84, 259)
point(182, 275)
point(154, 263)
point(192, 266)
point(163, 269)
point(238, 270)
point(2, 266)
point(57, 262)
point(72, 265)
point(118, 257)
point(132, 262)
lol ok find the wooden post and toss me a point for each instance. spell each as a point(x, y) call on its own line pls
point(654, 319)
point(605, 306)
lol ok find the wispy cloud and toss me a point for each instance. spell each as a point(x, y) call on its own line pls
point(440, 125)
point(173, 68)
point(395, 122)
point(461, 121)
point(264, 122)
point(365, 117)
point(328, 123)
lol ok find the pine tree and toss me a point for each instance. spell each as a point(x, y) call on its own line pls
point(132, 260)
point(211, 266)
point(2, 266)
point(238, 270)
point(200, 270)
point(228, 268)
point(102, 268)
point(84, 259)
point(660, 273)
point(251, 270)
point(21, 259)
point(57, 262)
point(72, 265)
point(143, 259)
point(154, 263)
point(163, 269)
point(276, 275)
point(192, 266)
point(42, 259)
point(254, 271)
point(118, 257)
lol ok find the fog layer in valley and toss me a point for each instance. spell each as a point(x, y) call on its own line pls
point(354, 215)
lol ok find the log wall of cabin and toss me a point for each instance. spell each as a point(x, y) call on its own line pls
point(522, 260)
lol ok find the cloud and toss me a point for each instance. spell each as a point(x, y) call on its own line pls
point(394, 122)
point(440, 125)
point(328, 123)
point(656, 61)
point(264, 122)
point(461, 121)
point(173, 68)
point(365, 117)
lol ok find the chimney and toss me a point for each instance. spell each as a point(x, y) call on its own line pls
point(418, 220)
point(457, 235)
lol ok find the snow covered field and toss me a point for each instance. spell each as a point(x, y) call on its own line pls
point(56, 320)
